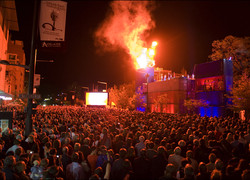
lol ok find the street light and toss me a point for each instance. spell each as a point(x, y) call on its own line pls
point(85, 88)
point(5, 62)
point(101, 82)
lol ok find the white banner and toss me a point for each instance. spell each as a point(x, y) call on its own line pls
point(52, 20)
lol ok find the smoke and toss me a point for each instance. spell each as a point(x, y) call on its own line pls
point(126, 26)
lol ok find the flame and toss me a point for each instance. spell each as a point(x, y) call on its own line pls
point(127, 27)
point(146, 58)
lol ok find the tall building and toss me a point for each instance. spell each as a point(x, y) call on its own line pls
point(8, 21)
point(14, 78)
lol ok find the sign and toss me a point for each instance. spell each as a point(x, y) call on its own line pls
point(37, 78)
point(6, 120)
point(31, 96)
point(52, 23)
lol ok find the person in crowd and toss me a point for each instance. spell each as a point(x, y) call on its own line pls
point(150, 152)
point(74, 170)
point(36, 171)
point(142, 166)
point(211, 164)
point(159, 163)
point(188, 173)
point(9, 165)
point(203, 174)
point(85, 148)
point(65, 159)
point(92, 158)
point(120, 167)
point(20, 170)
point(193, 162)
point(169, 173)
point(176, 158)
point(140, 145)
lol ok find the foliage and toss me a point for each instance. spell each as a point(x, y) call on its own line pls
point(161, 100)
point(238, 49)
point(125, 96)
point(240, 94)
point(193, 104)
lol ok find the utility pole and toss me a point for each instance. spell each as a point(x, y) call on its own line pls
point(28, 121)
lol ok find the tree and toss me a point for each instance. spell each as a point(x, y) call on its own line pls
point(125, 96)
point(240, 94)
point(238, 49)
point(160, 100)
point(234, 48)
point(193, 104)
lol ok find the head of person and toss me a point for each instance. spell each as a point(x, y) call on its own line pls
point(141, 138)
point(44, 163)
point(65, 150)
point(20, 167)
point(99, 171)
point(10, 161)
point(170, 171)
point(218, 164)
point(77, 147)
point(188, 171)
point(123, 153)
point(177, 151)
point(212, 157)
point(202, 168)
point(75, 157)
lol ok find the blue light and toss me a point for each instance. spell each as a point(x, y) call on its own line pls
point(209, 111)
point(142, 109)
point(202, 111)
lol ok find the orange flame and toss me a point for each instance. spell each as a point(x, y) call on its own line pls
point(146, 58)
point(127, 26)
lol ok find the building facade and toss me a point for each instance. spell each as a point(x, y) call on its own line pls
point(14, 78)
point(8, 21)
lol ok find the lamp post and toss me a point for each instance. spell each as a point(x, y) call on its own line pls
point(147, 75)
point(104, 83)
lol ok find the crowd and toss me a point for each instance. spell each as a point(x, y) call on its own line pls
point(79, 143)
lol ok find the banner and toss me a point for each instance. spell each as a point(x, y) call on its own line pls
point(52, 23)
point(37, 78)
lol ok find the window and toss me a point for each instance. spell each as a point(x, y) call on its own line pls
point(12, 56)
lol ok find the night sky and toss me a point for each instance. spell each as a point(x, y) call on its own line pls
point(184, 31)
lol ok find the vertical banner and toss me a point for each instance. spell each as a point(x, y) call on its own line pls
point(52, 23)
point(37, 78)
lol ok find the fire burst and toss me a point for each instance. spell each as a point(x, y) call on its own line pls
point(127, 26)
point(146, 58)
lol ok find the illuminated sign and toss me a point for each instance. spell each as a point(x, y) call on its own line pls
point(96, 98)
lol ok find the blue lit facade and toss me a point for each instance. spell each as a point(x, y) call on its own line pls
point(213, 80)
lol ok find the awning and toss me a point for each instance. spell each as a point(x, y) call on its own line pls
point(5, 96)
